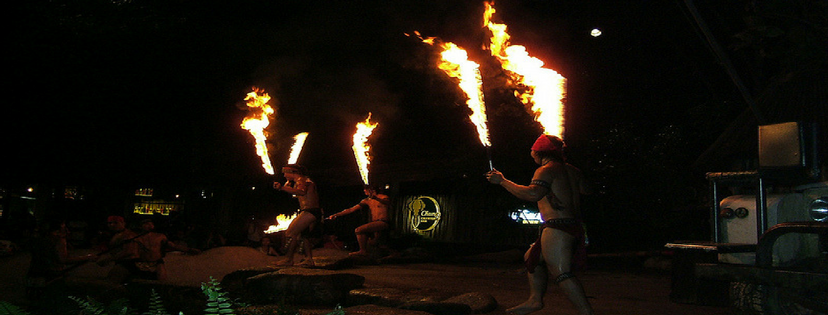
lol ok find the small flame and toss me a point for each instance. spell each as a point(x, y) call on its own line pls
point(256, 122)
point(361, 148)
point(456, 64)
point(545, 88)
point(296, 149)
point(282, 223)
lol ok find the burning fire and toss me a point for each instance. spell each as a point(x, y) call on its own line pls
point(296, 149)
point(456, 64)
point(282, 223)
point(256, 122)
point(361, 148)
point(545, 88)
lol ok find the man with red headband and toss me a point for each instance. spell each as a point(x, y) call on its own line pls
point(556, 187)
point(310, 215)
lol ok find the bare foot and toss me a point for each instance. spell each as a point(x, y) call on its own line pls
point(359, 253)
point(307, 263)
point(284, 263)
point(525, 308)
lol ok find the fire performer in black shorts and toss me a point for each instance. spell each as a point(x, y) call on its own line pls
point(378, 205)
point(310, 215)
point(556, 187)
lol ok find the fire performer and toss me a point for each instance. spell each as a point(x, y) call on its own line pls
point(377, 204)
point(152, 247)
point(310, 215)
point(50, 256)
point(122, 250)
point(556, 187)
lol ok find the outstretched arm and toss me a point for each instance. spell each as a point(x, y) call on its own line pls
point(178, 247)
point(346, 211)
point(533, 192)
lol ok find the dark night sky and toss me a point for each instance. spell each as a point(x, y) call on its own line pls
point(149, 91)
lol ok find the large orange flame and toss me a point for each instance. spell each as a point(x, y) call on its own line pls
point(296, 149)
point(361, 147)
point(456, 64)
point(282, 223)
point(256, 122)
point(544, 88)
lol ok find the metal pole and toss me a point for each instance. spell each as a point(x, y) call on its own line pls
point(714, 215)
point(724, 60)
point(489, 155)
point(761, 210)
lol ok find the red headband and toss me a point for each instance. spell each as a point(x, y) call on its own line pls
point(544, 144)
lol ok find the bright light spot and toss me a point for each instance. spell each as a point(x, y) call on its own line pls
point(30, 189)
point(525, 216)
point(595, 32)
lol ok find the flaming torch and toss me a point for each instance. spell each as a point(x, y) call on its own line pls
point(545, 88)
point(282, 223)
point(456, 64)
point(296, 149)
point(256, 122)
point(361, 148)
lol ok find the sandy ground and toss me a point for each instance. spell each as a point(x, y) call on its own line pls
point(637, 291)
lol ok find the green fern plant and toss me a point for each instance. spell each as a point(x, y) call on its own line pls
point(156, 307)
point(217, 301)
point(117, 307)
point(217, 304)
point(89, 306)
point(11, 309)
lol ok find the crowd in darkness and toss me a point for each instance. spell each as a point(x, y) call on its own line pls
point(19, 229)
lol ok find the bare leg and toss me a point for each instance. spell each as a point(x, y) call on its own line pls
point(290, 250)
point(161, 272)
point(294, 235)
point(308, 247)
point(363, 232)
point(537, 288)
point(557, 252)
point(362, 239)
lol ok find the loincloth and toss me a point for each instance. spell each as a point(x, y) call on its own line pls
point(572, 227)
point(316, 212)
point(314, 231)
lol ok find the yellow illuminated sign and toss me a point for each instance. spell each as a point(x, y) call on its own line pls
point(152, 207)
point(424, 212)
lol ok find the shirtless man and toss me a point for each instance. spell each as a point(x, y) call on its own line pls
point(378, 205)
point(556, 187)
point(121, 249)
point(152, 247)
point(310, 215)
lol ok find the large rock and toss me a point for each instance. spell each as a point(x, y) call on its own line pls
point(370, 309)
point(438, 308)
point(477, 301)
point(300, 286)
point(333, 262)
point(390, 297)
point(235, 281)
point(192, 270)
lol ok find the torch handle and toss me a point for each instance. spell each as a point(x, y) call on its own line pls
point(489, 156)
